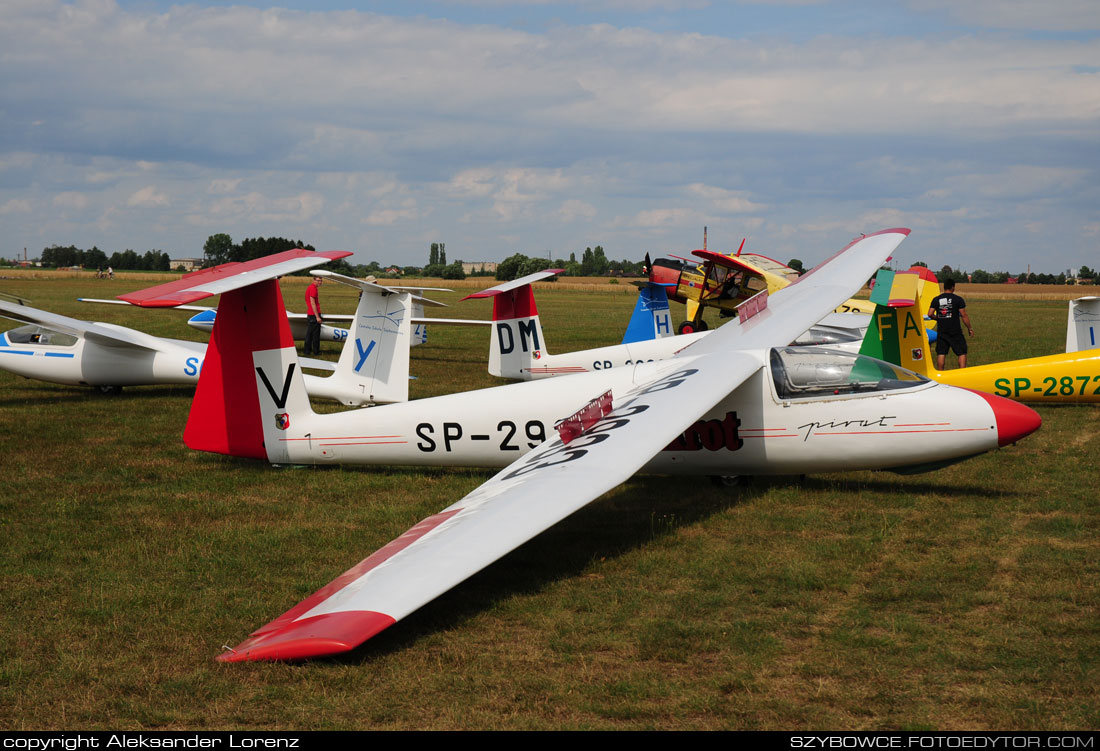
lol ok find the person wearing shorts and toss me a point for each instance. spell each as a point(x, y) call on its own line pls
point(949, 312)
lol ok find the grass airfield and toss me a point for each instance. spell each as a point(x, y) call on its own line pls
point(966, 598)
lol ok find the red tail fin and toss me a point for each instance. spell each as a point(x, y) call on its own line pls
point(225, 413)
point(516, 303)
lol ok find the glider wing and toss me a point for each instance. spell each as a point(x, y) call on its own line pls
point(557, 478)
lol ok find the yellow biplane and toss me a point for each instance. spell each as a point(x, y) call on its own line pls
point(724, 282)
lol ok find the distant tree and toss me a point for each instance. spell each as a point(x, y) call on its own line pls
point(127, 259)
point(453, 271)
point(443, 253)
point(922, 264)
point(572, 268)
point(433, 254)
point(796, 264)
point(95, 258)
point(1086, 273)
point(534, 265)
point(257, 247)
point(155, 260)
point(217, 249)
point(510, 267)
point(434, 269)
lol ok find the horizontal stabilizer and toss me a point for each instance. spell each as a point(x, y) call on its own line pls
point(514, 284)
point(230, 276)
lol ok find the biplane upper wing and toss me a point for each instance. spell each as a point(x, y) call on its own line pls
point(214, 281)
point(732, 262)
point(557, 478)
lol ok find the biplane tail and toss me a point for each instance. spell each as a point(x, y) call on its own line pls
point(1083, 328)
point(517, 343)
point(251, 379)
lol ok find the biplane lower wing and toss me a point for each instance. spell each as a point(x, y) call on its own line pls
point(556, 478)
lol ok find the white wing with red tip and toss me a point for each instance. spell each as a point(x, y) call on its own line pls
point(556, 479)
point(199, 285)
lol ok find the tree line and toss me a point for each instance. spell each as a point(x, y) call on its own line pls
point(60, 257)
point(980, 276)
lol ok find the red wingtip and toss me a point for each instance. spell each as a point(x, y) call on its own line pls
point(319, 636)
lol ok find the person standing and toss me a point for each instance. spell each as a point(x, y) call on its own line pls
point(313, 319)
point(948, 309)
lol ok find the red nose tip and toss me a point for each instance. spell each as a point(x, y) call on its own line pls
point(1014, 420)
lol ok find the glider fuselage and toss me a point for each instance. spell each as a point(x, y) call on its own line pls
point(750, 431)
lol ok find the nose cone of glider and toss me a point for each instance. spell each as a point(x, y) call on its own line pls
point(1014, 420)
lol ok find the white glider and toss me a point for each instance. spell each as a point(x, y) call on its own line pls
point(373, 366)
point(518, 348)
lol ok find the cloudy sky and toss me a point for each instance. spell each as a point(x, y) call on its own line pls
point(545, 127)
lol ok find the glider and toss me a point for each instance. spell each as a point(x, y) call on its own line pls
point(373, 366)
point(897, 335)
point(729, 403)
point(518, 348)
point(724, 282)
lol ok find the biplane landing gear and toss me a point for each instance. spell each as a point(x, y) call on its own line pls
point(690, 327)
point(109, 390)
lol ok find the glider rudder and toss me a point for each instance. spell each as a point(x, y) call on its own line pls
point(225, 413)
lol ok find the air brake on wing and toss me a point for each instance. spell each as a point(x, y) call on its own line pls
point(584, 418)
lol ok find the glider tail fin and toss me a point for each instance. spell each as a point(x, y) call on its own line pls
point(251, 381)
point(651, 318)
point(374, 363)
point(517, 341)
point(896, 333)
point(1083, 329)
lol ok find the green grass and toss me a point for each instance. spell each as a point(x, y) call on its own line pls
point(964, 598)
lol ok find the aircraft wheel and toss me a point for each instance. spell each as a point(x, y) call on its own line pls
point(730, 481)
point(109, 390)
point(687, 327)
point(703, 326)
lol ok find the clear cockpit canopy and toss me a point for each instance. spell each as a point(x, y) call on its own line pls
point(35, 334)
point(803, 372)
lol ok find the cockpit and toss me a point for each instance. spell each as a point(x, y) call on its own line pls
point(35, 334)
point(805, 372)
point(818, 336)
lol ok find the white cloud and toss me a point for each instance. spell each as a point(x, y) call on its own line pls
point(15, 205)
point(223, 186)
point(269, 121)
point(148, 197)
point(1051, 15)
point(71, 200)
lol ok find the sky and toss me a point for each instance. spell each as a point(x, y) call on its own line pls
point(544, 127)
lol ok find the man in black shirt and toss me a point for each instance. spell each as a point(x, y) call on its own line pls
point(947, 310)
